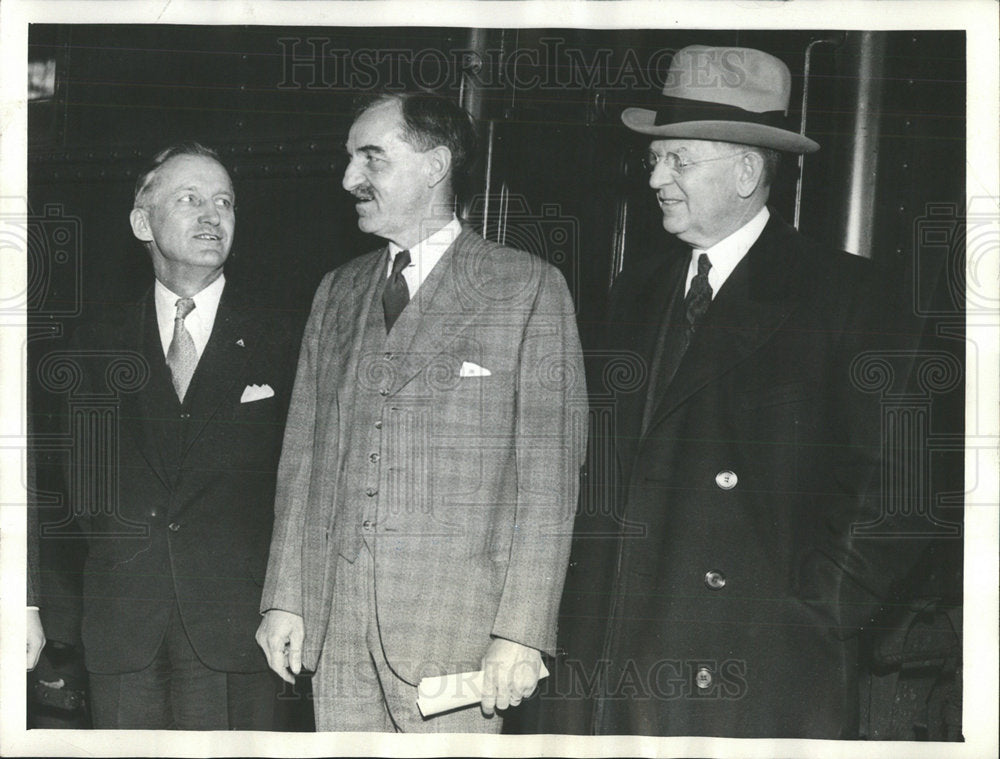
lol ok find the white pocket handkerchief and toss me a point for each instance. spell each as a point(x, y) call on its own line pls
point(470, 369)
point(256, 393)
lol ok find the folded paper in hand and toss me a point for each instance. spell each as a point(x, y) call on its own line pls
point(447, 692)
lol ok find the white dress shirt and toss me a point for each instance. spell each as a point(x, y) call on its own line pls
point(728, 252)
point(425, 254)
point(199, 322)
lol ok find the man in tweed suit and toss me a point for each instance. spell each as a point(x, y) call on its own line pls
point(429, 470)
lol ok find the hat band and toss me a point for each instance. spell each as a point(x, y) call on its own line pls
point(679, 110)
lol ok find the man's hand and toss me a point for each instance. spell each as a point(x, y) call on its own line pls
point(280, 635)
point(36, 637)
point(510, 673)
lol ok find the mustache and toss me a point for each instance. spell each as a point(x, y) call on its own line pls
point(365, 192)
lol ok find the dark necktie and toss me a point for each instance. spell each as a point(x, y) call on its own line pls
point(396, 294)
point(699, 296)
point(182, 357)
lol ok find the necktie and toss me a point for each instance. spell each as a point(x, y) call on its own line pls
point(699, 296)
point(396, 294)
point(182, 358)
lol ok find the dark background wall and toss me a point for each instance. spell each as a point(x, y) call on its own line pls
point(559, 174)
point(276, 103)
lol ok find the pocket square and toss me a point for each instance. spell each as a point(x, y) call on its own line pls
point(256, 393)
point(470, 369)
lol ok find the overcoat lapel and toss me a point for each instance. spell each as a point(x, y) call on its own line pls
point(638, 331)
point(755, 301)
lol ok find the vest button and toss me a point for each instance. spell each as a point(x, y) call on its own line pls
point(185, 415)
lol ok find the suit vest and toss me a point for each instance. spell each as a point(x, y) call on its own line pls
point(362, 462)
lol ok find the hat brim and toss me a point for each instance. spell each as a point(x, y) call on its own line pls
point(643, 120)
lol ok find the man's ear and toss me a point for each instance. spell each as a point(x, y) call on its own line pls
point(750, 173)
point(438, 165)
point(139, 220)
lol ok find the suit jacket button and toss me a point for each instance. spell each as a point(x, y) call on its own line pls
point(715, 580)
point(369, 525)
point(726, 479)
point(703, 678)
point(173, 527)
point(374, 458)
point(371, 492)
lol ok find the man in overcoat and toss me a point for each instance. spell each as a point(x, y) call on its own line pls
point(176, 503)
point(724, 594)
point(430, 465)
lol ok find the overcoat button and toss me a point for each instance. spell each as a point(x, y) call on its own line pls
point(383, 392)
point(368, 524)
point(703, 678)
point(726, 479)
point(374, 458)
point(715, 580)
point(378, 424)
point(370, 492)
point(173, 527)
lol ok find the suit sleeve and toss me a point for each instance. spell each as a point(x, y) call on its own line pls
point(551, 425)
point(283, 582)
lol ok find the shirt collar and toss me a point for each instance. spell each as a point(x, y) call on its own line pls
point(206, 302)
point(426, 253)
point(199, 322)
point(728, 252)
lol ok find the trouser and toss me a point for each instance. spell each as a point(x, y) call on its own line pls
point(355, 687)
point(177, 691)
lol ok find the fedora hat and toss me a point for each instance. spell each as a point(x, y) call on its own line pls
point(730, 94)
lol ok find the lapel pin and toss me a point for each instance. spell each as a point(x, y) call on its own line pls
point(240, 343)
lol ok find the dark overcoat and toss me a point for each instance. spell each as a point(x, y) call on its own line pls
point(717, 581)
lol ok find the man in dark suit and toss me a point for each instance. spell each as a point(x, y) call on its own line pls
point(177, 543)
point(724, 594)
point(430, 464)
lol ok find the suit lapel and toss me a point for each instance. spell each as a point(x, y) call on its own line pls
point(345, 348)
point(755, 301)
point(439, 312)
point(142, 412)
point(221, 365)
